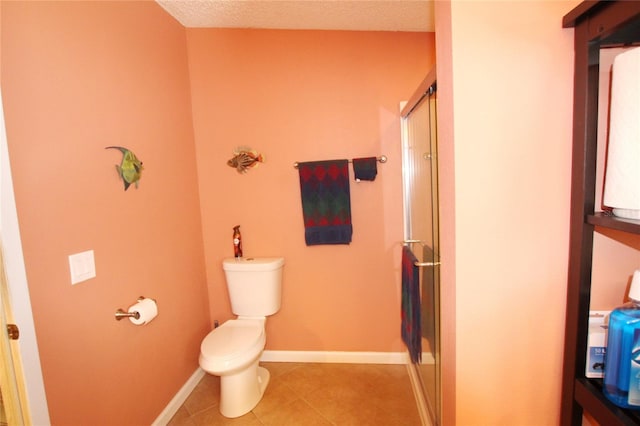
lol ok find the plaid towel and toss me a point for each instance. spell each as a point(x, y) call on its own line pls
point(411, 334)
point(326, 202)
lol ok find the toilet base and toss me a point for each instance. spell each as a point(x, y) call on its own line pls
point(241, 392)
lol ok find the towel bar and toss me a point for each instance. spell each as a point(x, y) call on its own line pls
point(381, 159)
point(425, 264)
point(421, 264)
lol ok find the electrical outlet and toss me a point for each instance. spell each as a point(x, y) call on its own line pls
point(82, 266)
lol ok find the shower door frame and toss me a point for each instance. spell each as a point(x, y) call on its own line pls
point(430, 407)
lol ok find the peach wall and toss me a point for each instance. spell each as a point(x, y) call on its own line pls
point(301, 96)
point(95, 73)
point(76, 77)
point(511, 76)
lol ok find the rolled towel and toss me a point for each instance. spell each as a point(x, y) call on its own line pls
point(365, 168)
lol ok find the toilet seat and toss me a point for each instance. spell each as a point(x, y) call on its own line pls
point(231, 338)
point(232, 345)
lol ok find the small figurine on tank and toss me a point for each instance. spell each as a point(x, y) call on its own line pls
point(237, 242)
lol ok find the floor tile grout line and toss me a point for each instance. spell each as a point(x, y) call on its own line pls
point(318, 411)
point(300, 394)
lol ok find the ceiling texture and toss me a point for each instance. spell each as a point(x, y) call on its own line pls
point(349, 15)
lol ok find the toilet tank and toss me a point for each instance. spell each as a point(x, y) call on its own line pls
point(255, 285)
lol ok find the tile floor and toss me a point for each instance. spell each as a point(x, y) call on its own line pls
point(308, 394)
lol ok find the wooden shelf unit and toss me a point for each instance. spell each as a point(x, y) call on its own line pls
point(597, 25)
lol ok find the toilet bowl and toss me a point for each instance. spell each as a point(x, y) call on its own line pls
point(232, 350)
point(232, 346)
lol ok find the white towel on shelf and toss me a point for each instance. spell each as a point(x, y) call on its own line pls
point(622, 181)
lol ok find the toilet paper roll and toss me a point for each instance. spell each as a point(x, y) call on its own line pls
point(148, 310)
point(622, 181)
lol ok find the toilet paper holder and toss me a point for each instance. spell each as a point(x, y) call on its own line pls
point(121, 313)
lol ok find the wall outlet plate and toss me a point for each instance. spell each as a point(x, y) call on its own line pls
point(82, 266)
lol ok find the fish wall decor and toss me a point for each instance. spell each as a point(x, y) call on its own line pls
point(244, 158)
point(130, 168)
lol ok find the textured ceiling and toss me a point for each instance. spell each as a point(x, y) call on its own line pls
point(355, 15)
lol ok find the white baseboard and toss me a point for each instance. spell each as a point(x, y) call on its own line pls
point(174, 405)
point(336, 357)
point(427, 358)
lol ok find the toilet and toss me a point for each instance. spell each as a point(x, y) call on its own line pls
point(232, 350)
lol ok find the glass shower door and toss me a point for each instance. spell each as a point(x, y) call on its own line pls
point(421, 231)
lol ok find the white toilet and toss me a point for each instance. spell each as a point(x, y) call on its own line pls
point(232, 350)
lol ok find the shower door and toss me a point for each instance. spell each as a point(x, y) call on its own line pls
point(421, 226)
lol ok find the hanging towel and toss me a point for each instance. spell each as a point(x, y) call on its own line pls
point(411, 334)
point(326, 202)
point(365, 168)
point(427, 301)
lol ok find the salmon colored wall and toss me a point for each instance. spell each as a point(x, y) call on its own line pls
point(95, 73)
point(301, 96)
point(76, 77)
point(511, 98)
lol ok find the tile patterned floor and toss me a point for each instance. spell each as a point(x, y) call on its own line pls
point(308, 394)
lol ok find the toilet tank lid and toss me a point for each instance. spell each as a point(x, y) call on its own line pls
point(252, 263)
